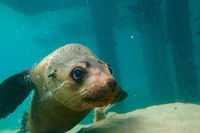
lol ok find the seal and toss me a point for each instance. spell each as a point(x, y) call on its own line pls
point(67, 84)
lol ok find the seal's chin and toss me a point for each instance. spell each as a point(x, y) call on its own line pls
point(98, 102)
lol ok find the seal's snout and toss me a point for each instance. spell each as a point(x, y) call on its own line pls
point(112, 84)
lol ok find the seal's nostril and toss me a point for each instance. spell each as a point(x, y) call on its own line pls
point(112, 84)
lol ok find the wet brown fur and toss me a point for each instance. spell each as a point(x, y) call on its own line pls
point(60, 102)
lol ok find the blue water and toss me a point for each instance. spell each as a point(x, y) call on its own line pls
point(27, 35)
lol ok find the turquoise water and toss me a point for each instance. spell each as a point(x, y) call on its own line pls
point(138, 38)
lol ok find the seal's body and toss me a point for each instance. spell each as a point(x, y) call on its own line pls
point(67, 84)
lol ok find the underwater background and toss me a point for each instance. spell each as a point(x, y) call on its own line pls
point(153, 46)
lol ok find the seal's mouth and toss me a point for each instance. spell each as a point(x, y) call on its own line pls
point(105, 98)
point(98, 102)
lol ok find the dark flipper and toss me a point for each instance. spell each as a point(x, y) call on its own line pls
point(13, 91)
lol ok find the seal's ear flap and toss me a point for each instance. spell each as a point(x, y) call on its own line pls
point(13, 92)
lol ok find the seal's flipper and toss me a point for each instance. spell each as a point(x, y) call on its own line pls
point(13, 92)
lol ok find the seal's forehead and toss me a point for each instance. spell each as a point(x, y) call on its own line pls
point(77, 49)
point(71, 53)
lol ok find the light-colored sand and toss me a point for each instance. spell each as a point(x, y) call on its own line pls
point(167, 118)
point(8, 131)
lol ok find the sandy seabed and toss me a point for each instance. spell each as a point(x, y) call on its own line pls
point(166, 118)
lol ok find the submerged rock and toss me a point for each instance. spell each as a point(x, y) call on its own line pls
point(9, 131)
point(167, 118)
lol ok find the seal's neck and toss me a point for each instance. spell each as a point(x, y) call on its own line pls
point(51, 116)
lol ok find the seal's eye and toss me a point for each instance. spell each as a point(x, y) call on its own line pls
point(78, 73)
point(110, 69)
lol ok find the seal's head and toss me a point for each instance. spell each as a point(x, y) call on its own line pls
point(78, 79)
